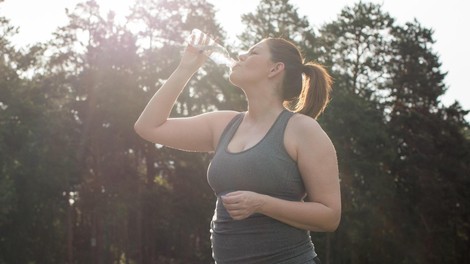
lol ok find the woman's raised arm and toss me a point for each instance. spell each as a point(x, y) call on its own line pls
point(198, 133)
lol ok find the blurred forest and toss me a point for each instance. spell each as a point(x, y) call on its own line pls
point(77, 185)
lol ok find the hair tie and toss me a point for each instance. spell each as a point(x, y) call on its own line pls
point(305, 68)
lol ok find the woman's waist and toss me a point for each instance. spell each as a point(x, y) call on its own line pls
point(259, 239)
point(256, 224)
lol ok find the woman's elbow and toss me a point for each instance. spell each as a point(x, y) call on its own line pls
point(334, 222)
point(331, 227)
point(330, 223)
point(138, 128)
point(141, 130)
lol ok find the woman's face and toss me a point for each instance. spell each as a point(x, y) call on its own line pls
point(253, 66)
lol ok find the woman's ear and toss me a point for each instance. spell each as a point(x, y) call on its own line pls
point(277, 68)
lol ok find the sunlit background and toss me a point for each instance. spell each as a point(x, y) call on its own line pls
point(77, 184)
point(37, 19)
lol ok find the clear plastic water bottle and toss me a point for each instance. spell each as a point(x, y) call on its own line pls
point(212, 49)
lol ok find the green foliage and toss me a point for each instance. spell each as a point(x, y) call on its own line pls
point(277, 18)
point(356, 46)
point(36, 163)
point(431, 148)
point(77, 185)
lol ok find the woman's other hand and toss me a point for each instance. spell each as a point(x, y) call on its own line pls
point(242, 204)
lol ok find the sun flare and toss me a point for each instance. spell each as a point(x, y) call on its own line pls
point(120, 8)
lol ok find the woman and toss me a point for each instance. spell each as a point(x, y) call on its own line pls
point(274, 170)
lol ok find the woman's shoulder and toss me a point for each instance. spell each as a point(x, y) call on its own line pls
point(218, 121)
point(303, 129)
point(301, 123)
point(221, 116)
point(305, 135)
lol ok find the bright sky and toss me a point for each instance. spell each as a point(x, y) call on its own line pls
point(450, 20)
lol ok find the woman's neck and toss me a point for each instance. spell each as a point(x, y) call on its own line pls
point(263, 107)
point(263, 99)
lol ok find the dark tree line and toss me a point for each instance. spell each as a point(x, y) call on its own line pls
point(77, 185)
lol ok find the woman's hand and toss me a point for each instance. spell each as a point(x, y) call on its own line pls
point(193, 58)
point(242, 204)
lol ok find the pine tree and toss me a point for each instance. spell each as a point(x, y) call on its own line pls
point(430, 169)
point(35, 158)
point(278, 18)
point(353, 44)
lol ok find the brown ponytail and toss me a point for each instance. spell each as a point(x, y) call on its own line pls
point(316, 88)
point(306, 87)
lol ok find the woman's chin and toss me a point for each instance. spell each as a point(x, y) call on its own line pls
point(233, 79)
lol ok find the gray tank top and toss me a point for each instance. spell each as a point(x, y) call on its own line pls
point(264, 168)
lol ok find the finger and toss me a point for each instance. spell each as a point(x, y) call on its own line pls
point(230, 200)
point(239, 216)
point(205, 40)
point(192, 40)
point(198, 39)
point(236, 213)
point(235, 193)
point(229, 207)
point(232, 206)
point(192, 43)
point(208, 40)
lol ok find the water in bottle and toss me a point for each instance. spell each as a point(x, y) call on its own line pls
point(212, 49)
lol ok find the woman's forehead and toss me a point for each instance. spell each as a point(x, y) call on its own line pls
point(260, 45)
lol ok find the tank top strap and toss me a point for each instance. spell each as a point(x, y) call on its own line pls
point(276, 134)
